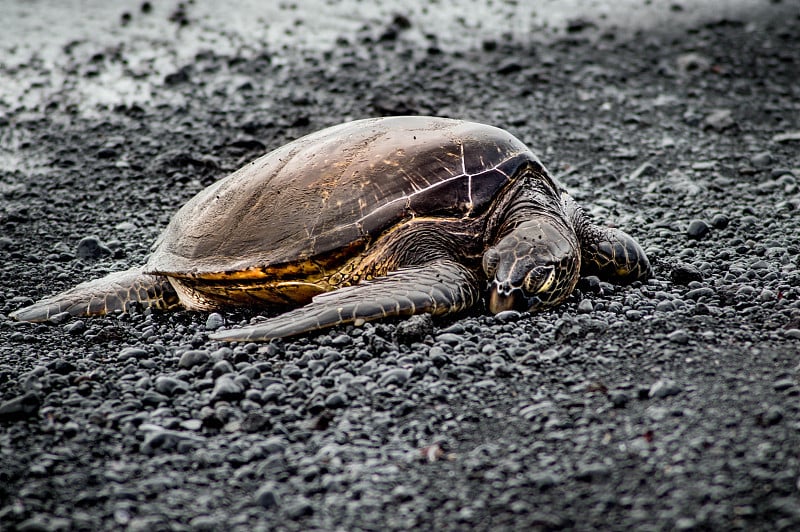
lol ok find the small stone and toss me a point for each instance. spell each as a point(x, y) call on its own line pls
point(267, 496)
point(772, 416)
point(585, 307)
point(336, 400)
point(664, 388)
point(678, 336)
point(697, 293)
point(719, 221)
point(214, 321)
point(21, 407)
point(61, 366)
point(792, 333)
point(788, 136)
point(341, 340)
point(449, 338)
point(256, 422)
point(396, 376)
point(618, 398)
point(91, 247)
point(684, 274)
point(633, 315)
point(75, 328)
point(414, 329)
point(665, 306)
point(193, 358)
point(132, 352)
point(299, 508)
point(697, 229)
point(58, 319)
point(226, 389)
point(719, 120)
point(782, 384)
point(761, 160)
point(170, 386)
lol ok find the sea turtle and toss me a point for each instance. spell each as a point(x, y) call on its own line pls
point(365, 220)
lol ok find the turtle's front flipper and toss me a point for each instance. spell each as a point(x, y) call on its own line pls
point(613, 255)
point(438, 287)
point(107, 294)
point(608, 253)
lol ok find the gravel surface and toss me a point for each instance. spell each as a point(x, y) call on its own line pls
point(668, 405)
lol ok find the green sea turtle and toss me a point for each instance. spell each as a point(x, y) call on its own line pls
point(365, 220)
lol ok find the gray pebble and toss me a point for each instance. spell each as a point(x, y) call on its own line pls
point(75, 328)
point(91, 247)
point(193, 358)
point(683, 273)
point(336, 400)
point(396, 376)
point(697, 229)
point(449, 338)
point(267, 496)
point(585, 306)
point(761, 160)
point(678, 336)
point(169, 386)
point(214, 321)
point(21, 407)
point(226, 389)
point(132, 352)
point(414, 329)
point(618, 398)
point(664, 388)
point(719, 120)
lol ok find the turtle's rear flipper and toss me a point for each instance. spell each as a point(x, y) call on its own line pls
point(113, 292)
point(438, 287)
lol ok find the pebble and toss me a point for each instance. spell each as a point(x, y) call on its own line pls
point(697, 293)
point(169, 386)
point(761, 160)
point(449, 338)
point(414, 329)
point(132, 352)
point(678, 336)
point(664, 388)
point(697, 229)
point(193, 358)
point(91, 247)
point(214, 321)
point(226, 389)
point(585, 307)
point(267, 496)
point(719, 221)
point(336, 400)
point(21, 407)
point(619, 398)
point(396, 376)
point(683, 274)
point(75, 328)
point(719, 120)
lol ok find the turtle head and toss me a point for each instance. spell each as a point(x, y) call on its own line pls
point(534, 266)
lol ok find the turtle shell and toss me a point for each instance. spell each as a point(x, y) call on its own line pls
point(337, 190)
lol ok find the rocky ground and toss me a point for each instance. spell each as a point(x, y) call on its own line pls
point(667, 405)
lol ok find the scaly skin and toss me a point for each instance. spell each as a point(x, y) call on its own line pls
point(114, 292)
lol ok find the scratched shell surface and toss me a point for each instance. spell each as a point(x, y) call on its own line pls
point(339, 187)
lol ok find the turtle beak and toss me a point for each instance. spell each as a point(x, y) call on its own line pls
point(503, 297)
point(499, 302)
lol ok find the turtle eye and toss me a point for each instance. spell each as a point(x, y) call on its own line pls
point(490, 260)
point(539, 279)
